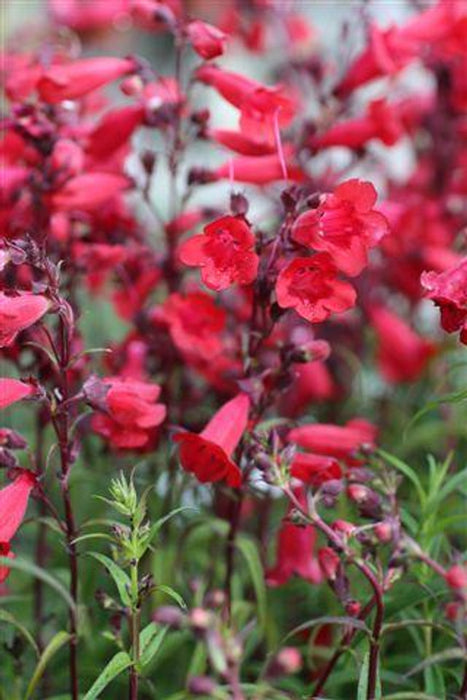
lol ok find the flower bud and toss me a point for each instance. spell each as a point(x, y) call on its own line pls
point(200, 619)
point(384, 531)
point(352, 608)
point(201, 685)
point(329, 562)
point(287, 661)
point(456, 577)
point(169, 615)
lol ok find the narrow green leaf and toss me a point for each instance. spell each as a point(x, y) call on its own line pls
point(168, 590)
point(94, 536)
point(56, 643)
point(121, 579)
point(407, 471)
point(446, 655)
point(151, 639)
point(116, 665)
point(455, 482)
point(251, 556)
point(10, 619)
point(410, 695)
point(362, 690)
point(328, 620)
point(159, 523)
point(30, 568)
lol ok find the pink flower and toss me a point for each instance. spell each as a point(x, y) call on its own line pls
point(208, 455)
point(208, 41)
point(70, 81)
point(345, 225)
point(295, 551)
point(195, 323)
point(225, 253)
point(341, 442)
point(130, 412)
point(448, 290)
point(86, 15)
point(18, 313)
point(402, 354)
point(89, 191)
point(261, 170)
point(13, 503)
point(12, 390)
point(312, 288)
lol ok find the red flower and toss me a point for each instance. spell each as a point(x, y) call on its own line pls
point(89, 191)
point(225, 253)
point(71, 81)
point(13, 504)
point(240, 143)
point(337, 441)
point(312, 288)
point(208, 455)
point(329, 562)
point(312, 381)
point(85, 16)
point(260, 170)
point(113, 131)
point(295, 548)
point(402, 354)
point(208, 41)
point(456, 577)
point(345, 225)
point(12, 390)
point(131, 412)
point(195, 323)
point(19, 312)
point(315, 469)
point(449, 291)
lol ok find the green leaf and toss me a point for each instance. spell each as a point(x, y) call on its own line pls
point(168, 590)
point(410, 695)
point(10, 619)
point(116, 665)
point(250, 553)
point(159, 523)
point(30, 568)
point(454, 397)
point(407, 471)
point(150, 640)
point(328, 620)
point(456, 481)
point(56, 643)
point(94, 536)
point(121, 579)
point(362, 690)
point(446, 655)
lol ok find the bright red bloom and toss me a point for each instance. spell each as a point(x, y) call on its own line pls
point(295, 551)
point(131, 412)
point(315, 469)
point(261, 170)
point(329, 562)
point(13, 503)
point(89, 191)
point(208, 455)
point(225, 253)
point(18, 313)
point(337, 441)
point(312, 288)
point(12, 390)
point(345, 225)
point(195, 323)
point(240, 143)
point(113, 130)
point(402, 354)
point(208, 41)
point(381, 121)
point(449, 291)
point(312, 382)
point(86, 15)
point(70, 81)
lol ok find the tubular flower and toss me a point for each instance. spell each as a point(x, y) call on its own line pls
point(71, 81)
point(131, 412)
point(208, 41)
point(448, 290)
point(195, 323)
point(341, 442)
point(312, 288)
point(13, 504)
point(261, 170)
point(295, 551)
point(89, 191)
point(225, 253)
point(12, 390)
point(315, 469)
point(18, 313)
point(402, 354)
point(208, 455)
point(345, 225)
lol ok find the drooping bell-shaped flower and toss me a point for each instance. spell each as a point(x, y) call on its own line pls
point(13, 503)
point(13, 390)
point(18, 313)
point(208, 455)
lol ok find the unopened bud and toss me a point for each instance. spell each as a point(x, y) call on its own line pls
point(201, 685)
point(329, 562)
point(287, 661)
point(169, 615)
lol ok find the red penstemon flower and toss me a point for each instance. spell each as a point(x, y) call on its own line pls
point(344, 224)
point(341, 442)
point(208, 41)
point(225, 253)
point(449, 292)
point(208, 455)
point(18, 313)
point(13, 503)
point(311, 287)
point(315, 469)
point(12, 390)
point(131, 412)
